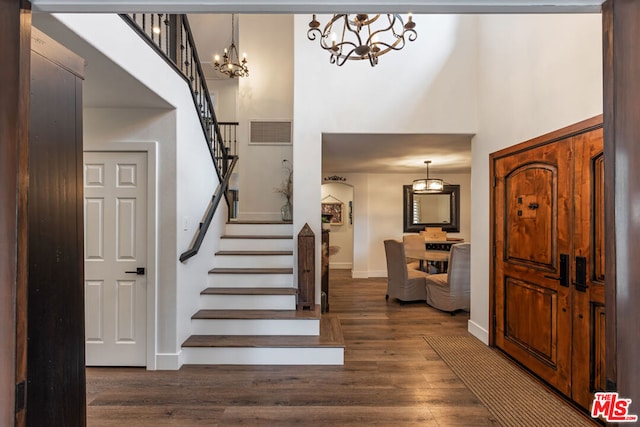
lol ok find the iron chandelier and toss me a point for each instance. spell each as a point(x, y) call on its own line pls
point(231, 64)
point(362, 36)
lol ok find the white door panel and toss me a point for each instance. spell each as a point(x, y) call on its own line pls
point(115, 212)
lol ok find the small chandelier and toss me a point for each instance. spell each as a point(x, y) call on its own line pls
point(231, 64)
point(362, 36)
point(429, 185)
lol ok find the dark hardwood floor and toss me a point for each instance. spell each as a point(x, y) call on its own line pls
point(391, 377)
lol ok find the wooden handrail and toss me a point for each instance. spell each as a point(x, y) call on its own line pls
point(211, 210)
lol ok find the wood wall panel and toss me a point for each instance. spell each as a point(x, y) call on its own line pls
point(530, 319)
point(56, 374)
point(599, 348)
point(531, 227)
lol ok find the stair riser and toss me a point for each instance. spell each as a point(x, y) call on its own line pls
point(262, 356)
point(256, 244)
point(248, 302)
point(258, 229)
point(250, 280)
point(255, 326)
point(253, 261)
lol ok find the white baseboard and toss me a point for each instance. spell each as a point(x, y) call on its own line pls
point(478, 331)
point(263, 356)
point(340, 265)
point(168, 361)
point(380, 273)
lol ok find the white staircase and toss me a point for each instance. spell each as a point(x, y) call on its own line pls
point(248, 311)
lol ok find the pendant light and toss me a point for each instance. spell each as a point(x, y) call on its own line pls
point(428, 185)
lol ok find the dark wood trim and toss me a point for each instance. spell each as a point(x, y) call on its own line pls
point(609, 196)
point(15, 27)
point(253, 253)
point(492, 251)
point(23, 188)
point(622, 185)
point(556, 135)
point(330, 337)
point(312, 313)
point(262, 270)
point(45, 46)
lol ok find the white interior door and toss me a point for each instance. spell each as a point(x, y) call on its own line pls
point(115, 213)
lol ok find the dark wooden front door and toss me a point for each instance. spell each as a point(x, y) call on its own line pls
point(548, 274)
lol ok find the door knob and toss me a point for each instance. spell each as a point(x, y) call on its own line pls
point(139, 271)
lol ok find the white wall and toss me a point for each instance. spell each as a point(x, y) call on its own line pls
point(224, 94)
point(428, 87)
point(536, 73)
point(186, 177)
point(267, 94)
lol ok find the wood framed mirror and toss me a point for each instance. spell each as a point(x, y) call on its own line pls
point(432, 209)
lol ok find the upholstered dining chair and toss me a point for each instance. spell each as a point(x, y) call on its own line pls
point(413, 243)
point(450, 291)
point(402, 283)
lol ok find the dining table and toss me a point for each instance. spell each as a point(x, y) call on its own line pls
point(439, 258)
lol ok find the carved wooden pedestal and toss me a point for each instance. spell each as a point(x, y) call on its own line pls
point(324, 275)
point(306, 269)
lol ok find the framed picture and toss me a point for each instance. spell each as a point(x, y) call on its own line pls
point(333, 209)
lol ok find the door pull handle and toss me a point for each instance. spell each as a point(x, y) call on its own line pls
point(581, 274)
point(139, 271)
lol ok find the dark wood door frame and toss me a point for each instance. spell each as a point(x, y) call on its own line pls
point(621, 31)
point(622, 151)
point(15, 41)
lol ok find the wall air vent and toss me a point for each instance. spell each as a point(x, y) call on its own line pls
point(270, 132)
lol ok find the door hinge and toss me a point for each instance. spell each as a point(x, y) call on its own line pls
point(495, 322)
point(495, 180)
point(494, 251)
point(20, 396)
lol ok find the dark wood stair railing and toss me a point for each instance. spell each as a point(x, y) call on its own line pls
point(211, 210)
point(170, 36)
